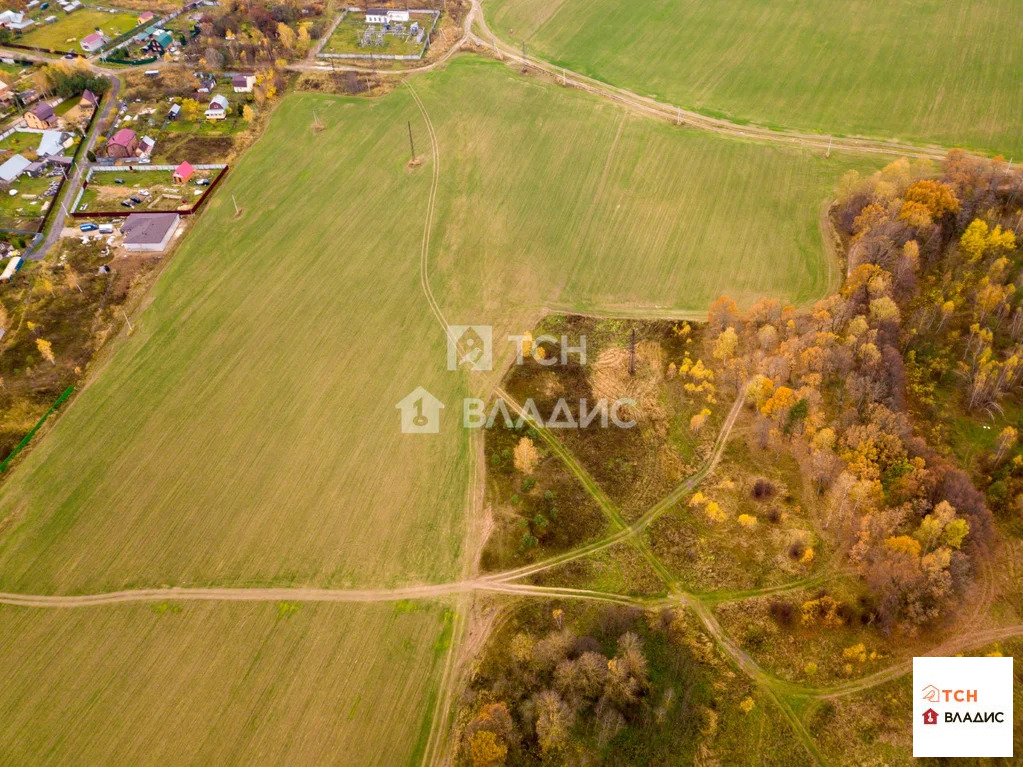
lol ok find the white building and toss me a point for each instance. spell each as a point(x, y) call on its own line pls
point(13, 168)
point(381, 16)
point(217, 109)
point(243, 83)
point(53, 142)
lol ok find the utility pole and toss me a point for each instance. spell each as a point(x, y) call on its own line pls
point(827, 155)
point(632, 353)
point(237, 210)
point(131, 328)
point(411, 143)
point(678, 115)
point(523, 55)
point(563, 80)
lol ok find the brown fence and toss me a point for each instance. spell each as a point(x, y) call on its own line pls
point(126, 212)
point(37, 49)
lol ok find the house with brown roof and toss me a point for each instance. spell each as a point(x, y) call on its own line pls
point(124, 143)
point(41, 117)
point(89, 100)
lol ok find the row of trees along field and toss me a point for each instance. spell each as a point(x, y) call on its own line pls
point(928, 319)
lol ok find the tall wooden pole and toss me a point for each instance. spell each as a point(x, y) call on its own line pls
point(411, 143)
point(632, 353)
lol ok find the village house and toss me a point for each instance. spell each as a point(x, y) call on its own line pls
point(122, 144)
point(41, 117)
point(149, 231)
point(89, 100)
point(145, 18)
point(162, 40)
point(146, 146)
point(182, 173)
point(13, 168)
point(54, 142)
point(243, 83)
point(217, 109)
point(15, 20)
point(92, 43)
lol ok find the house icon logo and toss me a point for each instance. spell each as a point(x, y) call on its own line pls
point(420, 412)
point(930, 716)
point(470, 346)
point(931, 694)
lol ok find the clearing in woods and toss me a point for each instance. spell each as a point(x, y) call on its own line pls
point(246, 434)
point(941, 71)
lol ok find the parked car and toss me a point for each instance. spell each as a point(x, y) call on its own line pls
point(88, 227)
point(118, 180)
point(135, 199)
point(203, 182)
point(127, 203)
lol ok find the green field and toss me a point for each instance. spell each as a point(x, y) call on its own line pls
point(247, 432)
point(218, 683)
point(64, 34)
point(23, 210)
point(945, 71)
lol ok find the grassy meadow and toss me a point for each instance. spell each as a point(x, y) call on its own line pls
point(246, 433)
point(942, 71)
point(218, 683)
point(65, 33)
point(562, 200)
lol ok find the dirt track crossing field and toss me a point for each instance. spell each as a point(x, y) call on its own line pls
point(242, 445)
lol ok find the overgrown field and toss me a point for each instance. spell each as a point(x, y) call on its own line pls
point(931, 70)
point(218, 683)
point(247, 433)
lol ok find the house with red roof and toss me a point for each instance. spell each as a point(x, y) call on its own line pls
point(124, 143)
point(92, 43)
point(182, 173)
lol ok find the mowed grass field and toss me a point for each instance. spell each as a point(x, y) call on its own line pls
point(246, 433)
point(65, 33)
point(944, 71)
point(218, 683)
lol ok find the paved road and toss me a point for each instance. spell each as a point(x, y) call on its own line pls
point(71, 186)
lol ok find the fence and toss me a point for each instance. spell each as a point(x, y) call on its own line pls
point(119, 42)
point(28, 437)
point(74, 158)
point(120, 213)
point(386, 56)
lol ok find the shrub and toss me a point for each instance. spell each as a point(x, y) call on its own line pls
point(783, 612)
point(762, 489)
